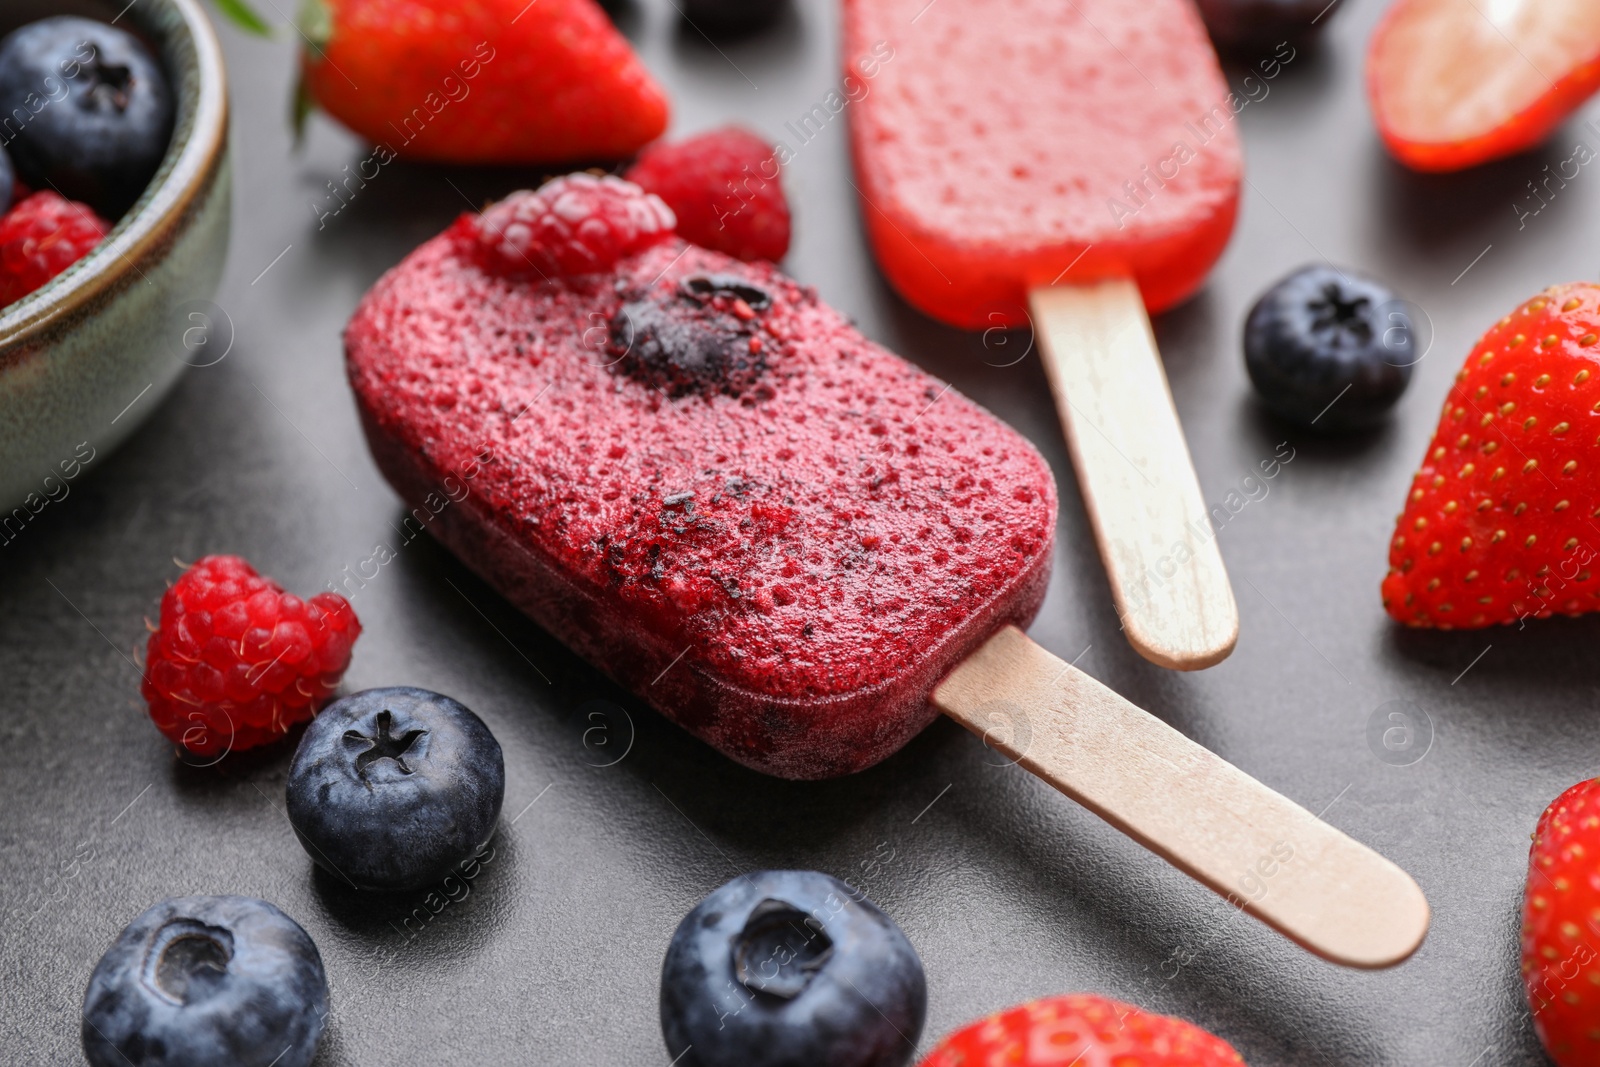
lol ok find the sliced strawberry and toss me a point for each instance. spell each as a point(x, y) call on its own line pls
point(1561, 927)
point(1503, 520)
point(485, 81)
point(1455, 83)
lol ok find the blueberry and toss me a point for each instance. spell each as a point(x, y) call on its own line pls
point(1244, 25)
point(1329, 348)
point(85, 109)
point(196, 981)
point(391, 788)
point(703, 337)
point(790, 969)
point(728, 17)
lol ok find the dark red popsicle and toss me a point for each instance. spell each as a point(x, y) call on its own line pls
point(698, 476)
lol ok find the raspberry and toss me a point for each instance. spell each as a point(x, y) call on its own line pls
point(725, 189)
point(237, 661)
point(576, 224)
point(41, 237)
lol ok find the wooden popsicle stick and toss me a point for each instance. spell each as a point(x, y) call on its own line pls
point(1135, 474)
point(1275, 860)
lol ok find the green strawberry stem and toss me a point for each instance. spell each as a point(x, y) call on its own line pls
point(242, 15)
point(301, 105)
point(315, 23)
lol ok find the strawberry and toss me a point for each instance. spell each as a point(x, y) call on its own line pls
point(479, 81)
point(1501, 522)
point(1081, 1030)
point(1561, 927)
point(1452, 87)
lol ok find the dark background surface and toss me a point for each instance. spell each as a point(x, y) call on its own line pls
point(1008, 890)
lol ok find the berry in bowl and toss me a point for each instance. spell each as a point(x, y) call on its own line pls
point(114, 186)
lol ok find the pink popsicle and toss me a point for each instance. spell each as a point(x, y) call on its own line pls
point(1052, 162)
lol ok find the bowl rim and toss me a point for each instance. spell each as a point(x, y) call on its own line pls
point(192, 163)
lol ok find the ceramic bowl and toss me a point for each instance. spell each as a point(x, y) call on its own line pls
point(90, 355)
